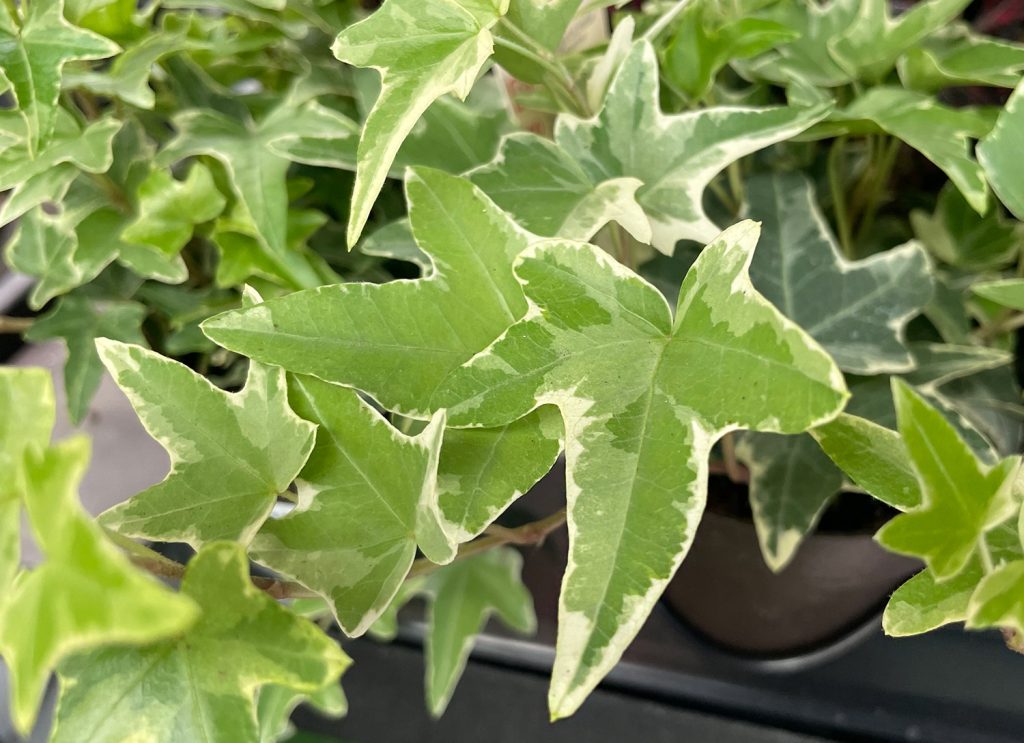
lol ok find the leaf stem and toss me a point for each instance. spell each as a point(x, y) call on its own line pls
point(533, 533)
point(10, 324)
point(666, 19)
point(733, 469)
point(620, 244)
point(528, 48)
point(1000, 326)
point(986, 556)
point(835, 182)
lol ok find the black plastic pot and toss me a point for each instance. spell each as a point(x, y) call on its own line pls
point(836, 584)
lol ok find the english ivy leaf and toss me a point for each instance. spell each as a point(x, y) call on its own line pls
point(856, 310)
point(33, 50)
point(27, 414)
point(550, 194)
point(1006, 140)
point(924, 603)
point(127, 78)
point(79, 322)
point(367, 498)
point(845, 40)
point(960, 499)
point(956, 234)
point(673, 157)
point(703, 44)
point(256, 171)
point(398, 341)
point(168, 211)
point(86, 588)
point(47, 176)
point(644, 397)
point(423, 52)
point(462, 596)
point(873, 456)
point(231, 454)
point(998, 600)
point(791, 483)
point(484, 470)
point(275, 705)
point(1007, 292)
point(209, 677)
point(961, 58)
point(940, 133)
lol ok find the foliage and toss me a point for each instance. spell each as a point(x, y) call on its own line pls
point(367, 274)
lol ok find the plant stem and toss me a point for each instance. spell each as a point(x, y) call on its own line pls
point(835, 182)
point(621, 246)
point(528, 534)
point(1000, 326)
point(533, 533)
point(528, 48)
point(733, 469)
point(874, 188)
point(666, 19)
point(15, 324)
point(986, 557)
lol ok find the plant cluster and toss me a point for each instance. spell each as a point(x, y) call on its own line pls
point(764, 238)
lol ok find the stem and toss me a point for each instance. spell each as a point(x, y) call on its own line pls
point(12, 8)
point(662, 23)
point(621, 246)
point(736, 184)
point(527, 47)
point(986, 557)
point(997, 328)
point(533, 533)
point(835, 182)
point(876, 185)
point(15, 324)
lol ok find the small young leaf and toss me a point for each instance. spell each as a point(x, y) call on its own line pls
point(999, 599)
point(959, 236)
point(1007, 292)
point(367, 499)
point(422, 51)
point(33, 51)
point(256, 171)
point(208, 678)
point(961, 58)
point(88, 589)
point(79, 323)
point(791, 483)
point(643, 397)
point(874, 457)
point(997, 151)
point(231, 454)
point(960, 500)
point(856, 310)
point(463, 595)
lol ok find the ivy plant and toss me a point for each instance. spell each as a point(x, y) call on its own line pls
point(367, 273)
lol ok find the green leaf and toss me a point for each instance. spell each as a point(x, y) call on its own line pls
point(127, 78)
point(231, 454)
point(999, 599)
point(956, 234)
point(395, 241)
point(363, 336)
point(79, 323)
point(643, 397)
point(33, 51)
point(960, 499)
point(873, 456)
point(1007, 292)
point(367, 498)
point(674, 157)
point(1005, 141)
point(256, 171)
point(940, 133)
point(847, 40)
point(462, 596)
point(856, 310)
point(27, 414)
point(924, 603)
point(86, 588)
point(168, 210)
point(423, 52)
point(484, 470)
point(791, 483)
point(550, 194)
point(208, 678)
point(703, 44)
point(961, 58)
point(46, 177)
